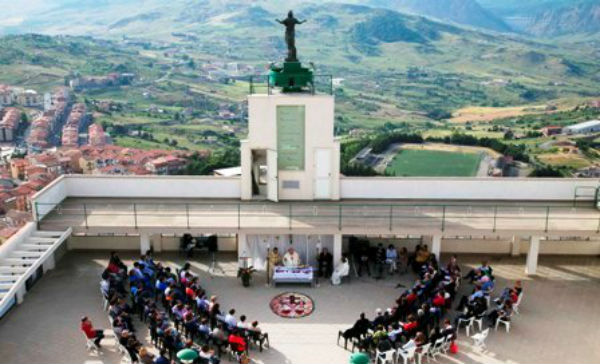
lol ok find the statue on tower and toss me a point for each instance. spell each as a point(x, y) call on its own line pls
point(290, 35)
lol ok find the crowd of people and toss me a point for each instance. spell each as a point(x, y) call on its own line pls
point(417, 315)
point(420, 315)
point(178, 311)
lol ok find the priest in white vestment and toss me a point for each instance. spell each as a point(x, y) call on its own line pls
point(291, 258)
point(342, 270)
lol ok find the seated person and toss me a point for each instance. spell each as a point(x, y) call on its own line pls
point(477, 293)
point(130, 343)
point(342, 270)
point(291, 258)
point(502, 313)
point(485, 283)
point(421, 258)
point(453, 267)
point(359, 329)
point(237, 342)
point(208, 354)
point(477, 273)
point(230, 319)
point(391, 257)
point(90, 332)
point(403, 259)
point(146, 357)
point(325, 263)
point(162, 358)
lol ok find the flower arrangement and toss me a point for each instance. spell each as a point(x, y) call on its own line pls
point(246, 275)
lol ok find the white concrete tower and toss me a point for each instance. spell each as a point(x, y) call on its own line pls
point(291, 152)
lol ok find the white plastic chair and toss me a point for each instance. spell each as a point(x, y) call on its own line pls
point(437, 348)
point(479, 338)
point(89, 343)
point(385, 356)
point(125, 353)
point(408, 354)
point(447, 342)
point(468, 325)
point(518, 303)
point(423, 353)
point(479, 321)
point(504, 321)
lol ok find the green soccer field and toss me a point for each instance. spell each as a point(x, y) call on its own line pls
point(432, 163)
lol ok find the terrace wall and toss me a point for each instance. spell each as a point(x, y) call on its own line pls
point(482, 189)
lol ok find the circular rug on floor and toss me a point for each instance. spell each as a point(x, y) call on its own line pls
point(292, 305)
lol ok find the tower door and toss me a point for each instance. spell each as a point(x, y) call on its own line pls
point(272, 179)
point(322, 174)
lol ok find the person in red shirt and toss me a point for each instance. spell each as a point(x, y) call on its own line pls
point(411, 325)
point(439, 300)
point(90, 332)
point(237, 343)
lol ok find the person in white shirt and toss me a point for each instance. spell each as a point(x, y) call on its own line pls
point(230, 319)
point(342, 270)
point(291, 258)
point(242, 324)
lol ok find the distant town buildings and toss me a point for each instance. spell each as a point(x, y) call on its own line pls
point(110, 80)
point(551, 130)
point(70, 131)
point(49, 122)
point(10, 119)
point(12, 96)
point(587, 127)
point(96, 135)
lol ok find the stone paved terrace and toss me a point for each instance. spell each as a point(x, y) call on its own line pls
point(103, 215)
point(559, 321)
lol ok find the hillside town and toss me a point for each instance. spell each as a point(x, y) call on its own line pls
point(61, 138)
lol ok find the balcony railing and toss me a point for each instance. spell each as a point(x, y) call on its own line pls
point(326, 216)
point(322, 84)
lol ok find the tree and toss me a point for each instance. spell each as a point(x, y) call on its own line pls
point(508, 135)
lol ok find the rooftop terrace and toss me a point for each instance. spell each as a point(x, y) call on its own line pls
point(557, 323)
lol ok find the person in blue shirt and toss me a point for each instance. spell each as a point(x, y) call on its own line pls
point(162, 358)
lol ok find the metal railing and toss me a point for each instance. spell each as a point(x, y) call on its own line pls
point(321, 84)
point(326, 215)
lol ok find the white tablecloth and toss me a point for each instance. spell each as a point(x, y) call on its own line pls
point(293, 275)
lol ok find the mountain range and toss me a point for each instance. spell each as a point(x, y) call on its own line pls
point(539, 18)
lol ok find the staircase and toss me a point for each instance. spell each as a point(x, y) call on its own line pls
point(21, 256)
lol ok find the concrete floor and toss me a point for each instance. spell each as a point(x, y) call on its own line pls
point(559, 321)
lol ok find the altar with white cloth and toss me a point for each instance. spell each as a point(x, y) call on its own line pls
point(293, 275)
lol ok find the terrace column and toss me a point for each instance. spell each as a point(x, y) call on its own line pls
point(337, 249)
point(532, 255)
point(144, 242)
point(515, 246)
point(436, 246)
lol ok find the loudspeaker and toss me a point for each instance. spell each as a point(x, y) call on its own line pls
point(211, 244)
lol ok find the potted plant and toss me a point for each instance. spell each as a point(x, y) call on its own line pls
point(246, 274)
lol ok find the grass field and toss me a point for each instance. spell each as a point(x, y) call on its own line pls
point(433, 163)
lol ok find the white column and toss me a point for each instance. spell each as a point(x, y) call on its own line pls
point(337, 249)
point(21, 293)
point(515, 246)
point(532, 255)
point(242, 245)
point(48, 263)
point(436, 246)
point(157, 244)
point(144, 242)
